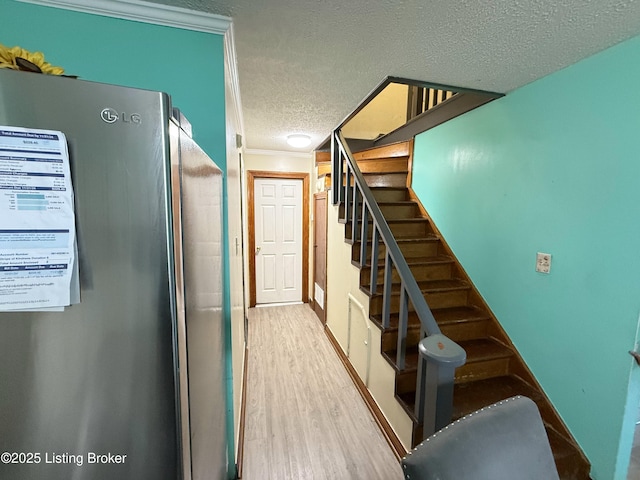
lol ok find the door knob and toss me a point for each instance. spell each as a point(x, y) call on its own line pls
point(257, 250)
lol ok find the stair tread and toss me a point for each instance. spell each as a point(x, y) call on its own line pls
point(377, 174)
point(426, 286)
point(399, 220)
point(443, 316)
point(413, 323)
point(404, 240)
point(389, 172)
point(415, 261)
point(391, 203)
point(478, 350)
point(481, 349)
point(560, 445)
point(436, 285)
point(408, 220)
point(471, 396)
point(374, 189)
point(468, 398)
point(570, 462)
point(410, 360)
point(474, 395)
point(466, 313)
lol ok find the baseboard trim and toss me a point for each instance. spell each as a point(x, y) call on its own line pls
point(319, 311)
point(243, 413)
point(385, 427)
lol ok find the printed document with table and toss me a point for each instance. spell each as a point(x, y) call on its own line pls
point(37, 221)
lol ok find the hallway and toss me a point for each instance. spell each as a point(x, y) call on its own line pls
point(304, 417)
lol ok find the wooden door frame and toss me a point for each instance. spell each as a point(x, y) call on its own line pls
point(251, 176)
point(322, 195)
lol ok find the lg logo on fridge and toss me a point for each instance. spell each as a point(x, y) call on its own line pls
point(109, 115)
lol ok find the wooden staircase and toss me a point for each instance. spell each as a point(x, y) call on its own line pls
point(494, 370)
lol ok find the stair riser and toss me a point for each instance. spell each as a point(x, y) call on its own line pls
point(397, 212)
point(455, 298)
point(389, 339)
point(482, 370)
point(451, 298)
point(394, 212)
point(393, 180)
point(371, 166)
point(409, 250)
point(406, 381)
point(399, 195)
point(569, 465)
point(399, 229)
point(442, 271)
point(458, 332)
point(411, 230)
point(380, 180)
point(468, 330)
point(381, 165)
point(324, 168)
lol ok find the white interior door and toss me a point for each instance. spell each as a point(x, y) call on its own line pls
point(278, 240)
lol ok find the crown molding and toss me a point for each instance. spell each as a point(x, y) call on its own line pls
point(231, 76)
point(278, 153)
point(146, 12)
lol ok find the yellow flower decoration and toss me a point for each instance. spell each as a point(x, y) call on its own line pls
point(17, 58)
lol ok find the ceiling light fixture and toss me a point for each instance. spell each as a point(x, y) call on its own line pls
point(299, 140)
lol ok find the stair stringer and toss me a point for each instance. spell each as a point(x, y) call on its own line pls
point(343, 280)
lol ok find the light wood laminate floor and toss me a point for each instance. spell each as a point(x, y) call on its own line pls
point(304, 418)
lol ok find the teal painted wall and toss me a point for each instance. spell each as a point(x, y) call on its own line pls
point(186, 64)
point(555, 167)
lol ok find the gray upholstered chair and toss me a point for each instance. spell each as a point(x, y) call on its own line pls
point(505, 441)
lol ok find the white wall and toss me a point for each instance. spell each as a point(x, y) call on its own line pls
point(343, 279)
point(274, 161)
point(383, 114)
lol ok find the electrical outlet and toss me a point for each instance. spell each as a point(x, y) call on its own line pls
point(543, 262)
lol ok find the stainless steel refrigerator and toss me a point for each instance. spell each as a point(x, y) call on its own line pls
point(129, 383)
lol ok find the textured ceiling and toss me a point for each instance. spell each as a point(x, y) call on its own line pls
point(303, 65)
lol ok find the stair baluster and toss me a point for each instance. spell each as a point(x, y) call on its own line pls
point(375, 244)
point(348, 199)
point(364, 235)
point(386, 295)
point(402, 329)
point(356, 196)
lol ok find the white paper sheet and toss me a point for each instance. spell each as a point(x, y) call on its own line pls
point(37, 222)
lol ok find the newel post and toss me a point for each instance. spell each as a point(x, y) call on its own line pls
point(439, 358)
